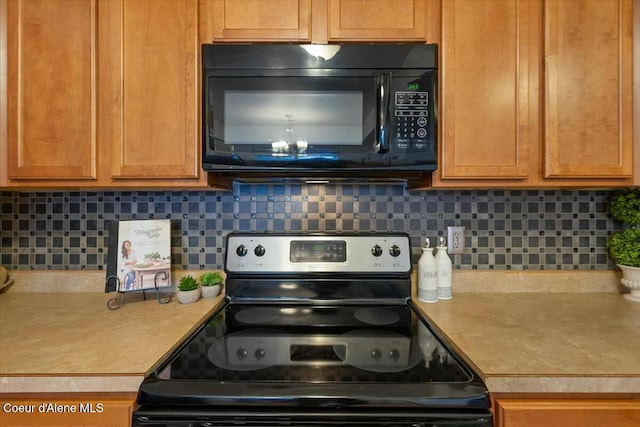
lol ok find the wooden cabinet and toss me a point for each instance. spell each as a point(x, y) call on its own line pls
point(382, 20)
point(541, 99)
point(588, 89)
point(68, 409)
point(488, 101)
point(321, 21)
point(154, 91)
point(533, 93)
point(259, 20)
point(567, 412)
point(101, 94)
point(51, 92)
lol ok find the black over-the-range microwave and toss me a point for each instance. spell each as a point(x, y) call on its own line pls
point(319, 111)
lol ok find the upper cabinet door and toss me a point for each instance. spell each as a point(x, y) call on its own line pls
point(260, 20)
point(51, 99)
point(154, 86)
point(588, 61)
point(488, 91)
point(379, 20)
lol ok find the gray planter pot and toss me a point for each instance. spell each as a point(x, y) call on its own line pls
point(211, 291)
point(188, 297)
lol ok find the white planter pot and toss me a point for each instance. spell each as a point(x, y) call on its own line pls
point(210, 291)
point(188, 297)
point(631, 279)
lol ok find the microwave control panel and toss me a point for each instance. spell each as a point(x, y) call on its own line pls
point(412, 119)
point(411, 125)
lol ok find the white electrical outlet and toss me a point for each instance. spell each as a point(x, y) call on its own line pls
point(455, 239)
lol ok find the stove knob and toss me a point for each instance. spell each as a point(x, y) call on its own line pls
point(394, 354)
point(259, 354)
point(395, 251)
point(376, 354)
point(259, 250)
point(376, 251)
point(242, 353)
point(241, 250)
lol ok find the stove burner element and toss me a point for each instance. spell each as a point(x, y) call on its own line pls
point(256, 315)
point(377, 316)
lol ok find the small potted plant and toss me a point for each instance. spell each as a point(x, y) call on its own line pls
point(211, 284)
point(188, 290)
point(151, 257)
point(624, 246)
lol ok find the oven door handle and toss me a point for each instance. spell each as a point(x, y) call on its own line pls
point(384, 97)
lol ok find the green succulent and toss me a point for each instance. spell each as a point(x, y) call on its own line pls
point(624, 247)
point(211, 279)
point(187, 283)
point(624, 206)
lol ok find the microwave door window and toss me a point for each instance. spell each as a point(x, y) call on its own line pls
point(282, 124)
point(291, 122)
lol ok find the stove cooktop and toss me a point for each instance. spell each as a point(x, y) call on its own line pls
point(298, 343)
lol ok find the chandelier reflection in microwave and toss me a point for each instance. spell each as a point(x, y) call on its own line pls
point(289, 146)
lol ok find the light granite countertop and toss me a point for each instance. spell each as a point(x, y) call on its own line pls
point(71, 342)
point(536, 338)
point(545, 342)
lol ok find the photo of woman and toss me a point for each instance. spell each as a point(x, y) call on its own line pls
point(127, 260)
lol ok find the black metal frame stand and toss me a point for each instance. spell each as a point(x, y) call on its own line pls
point(119, 301)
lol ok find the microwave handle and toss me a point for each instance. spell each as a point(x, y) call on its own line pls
point(382, 131)
point(209, 135)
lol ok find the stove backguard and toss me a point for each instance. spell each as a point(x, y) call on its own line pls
point(353, 268)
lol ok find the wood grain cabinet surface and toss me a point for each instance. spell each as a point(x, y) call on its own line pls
point(51, 93)
point(487, 103)
point(363, 20)
point(101, 94)
point(588, 89)
point(567, 412)
point(536, 93)
point(533, 93)
point(258, 20)
point(67, 409)
point(154, 91)
point(320, 21)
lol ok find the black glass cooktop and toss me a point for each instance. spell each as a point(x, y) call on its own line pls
point(319, 344)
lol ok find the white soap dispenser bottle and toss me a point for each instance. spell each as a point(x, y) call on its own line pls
point(443, 264)
point(427, 275)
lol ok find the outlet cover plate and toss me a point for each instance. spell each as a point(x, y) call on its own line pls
point(455, 239)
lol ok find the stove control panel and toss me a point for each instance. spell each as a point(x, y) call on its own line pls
point(311, 253)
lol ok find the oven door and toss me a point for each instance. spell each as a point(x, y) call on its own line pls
point(294, 122)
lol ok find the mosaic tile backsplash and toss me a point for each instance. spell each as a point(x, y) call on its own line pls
point(519, 230)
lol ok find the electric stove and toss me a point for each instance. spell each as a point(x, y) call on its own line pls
point(316, 329)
